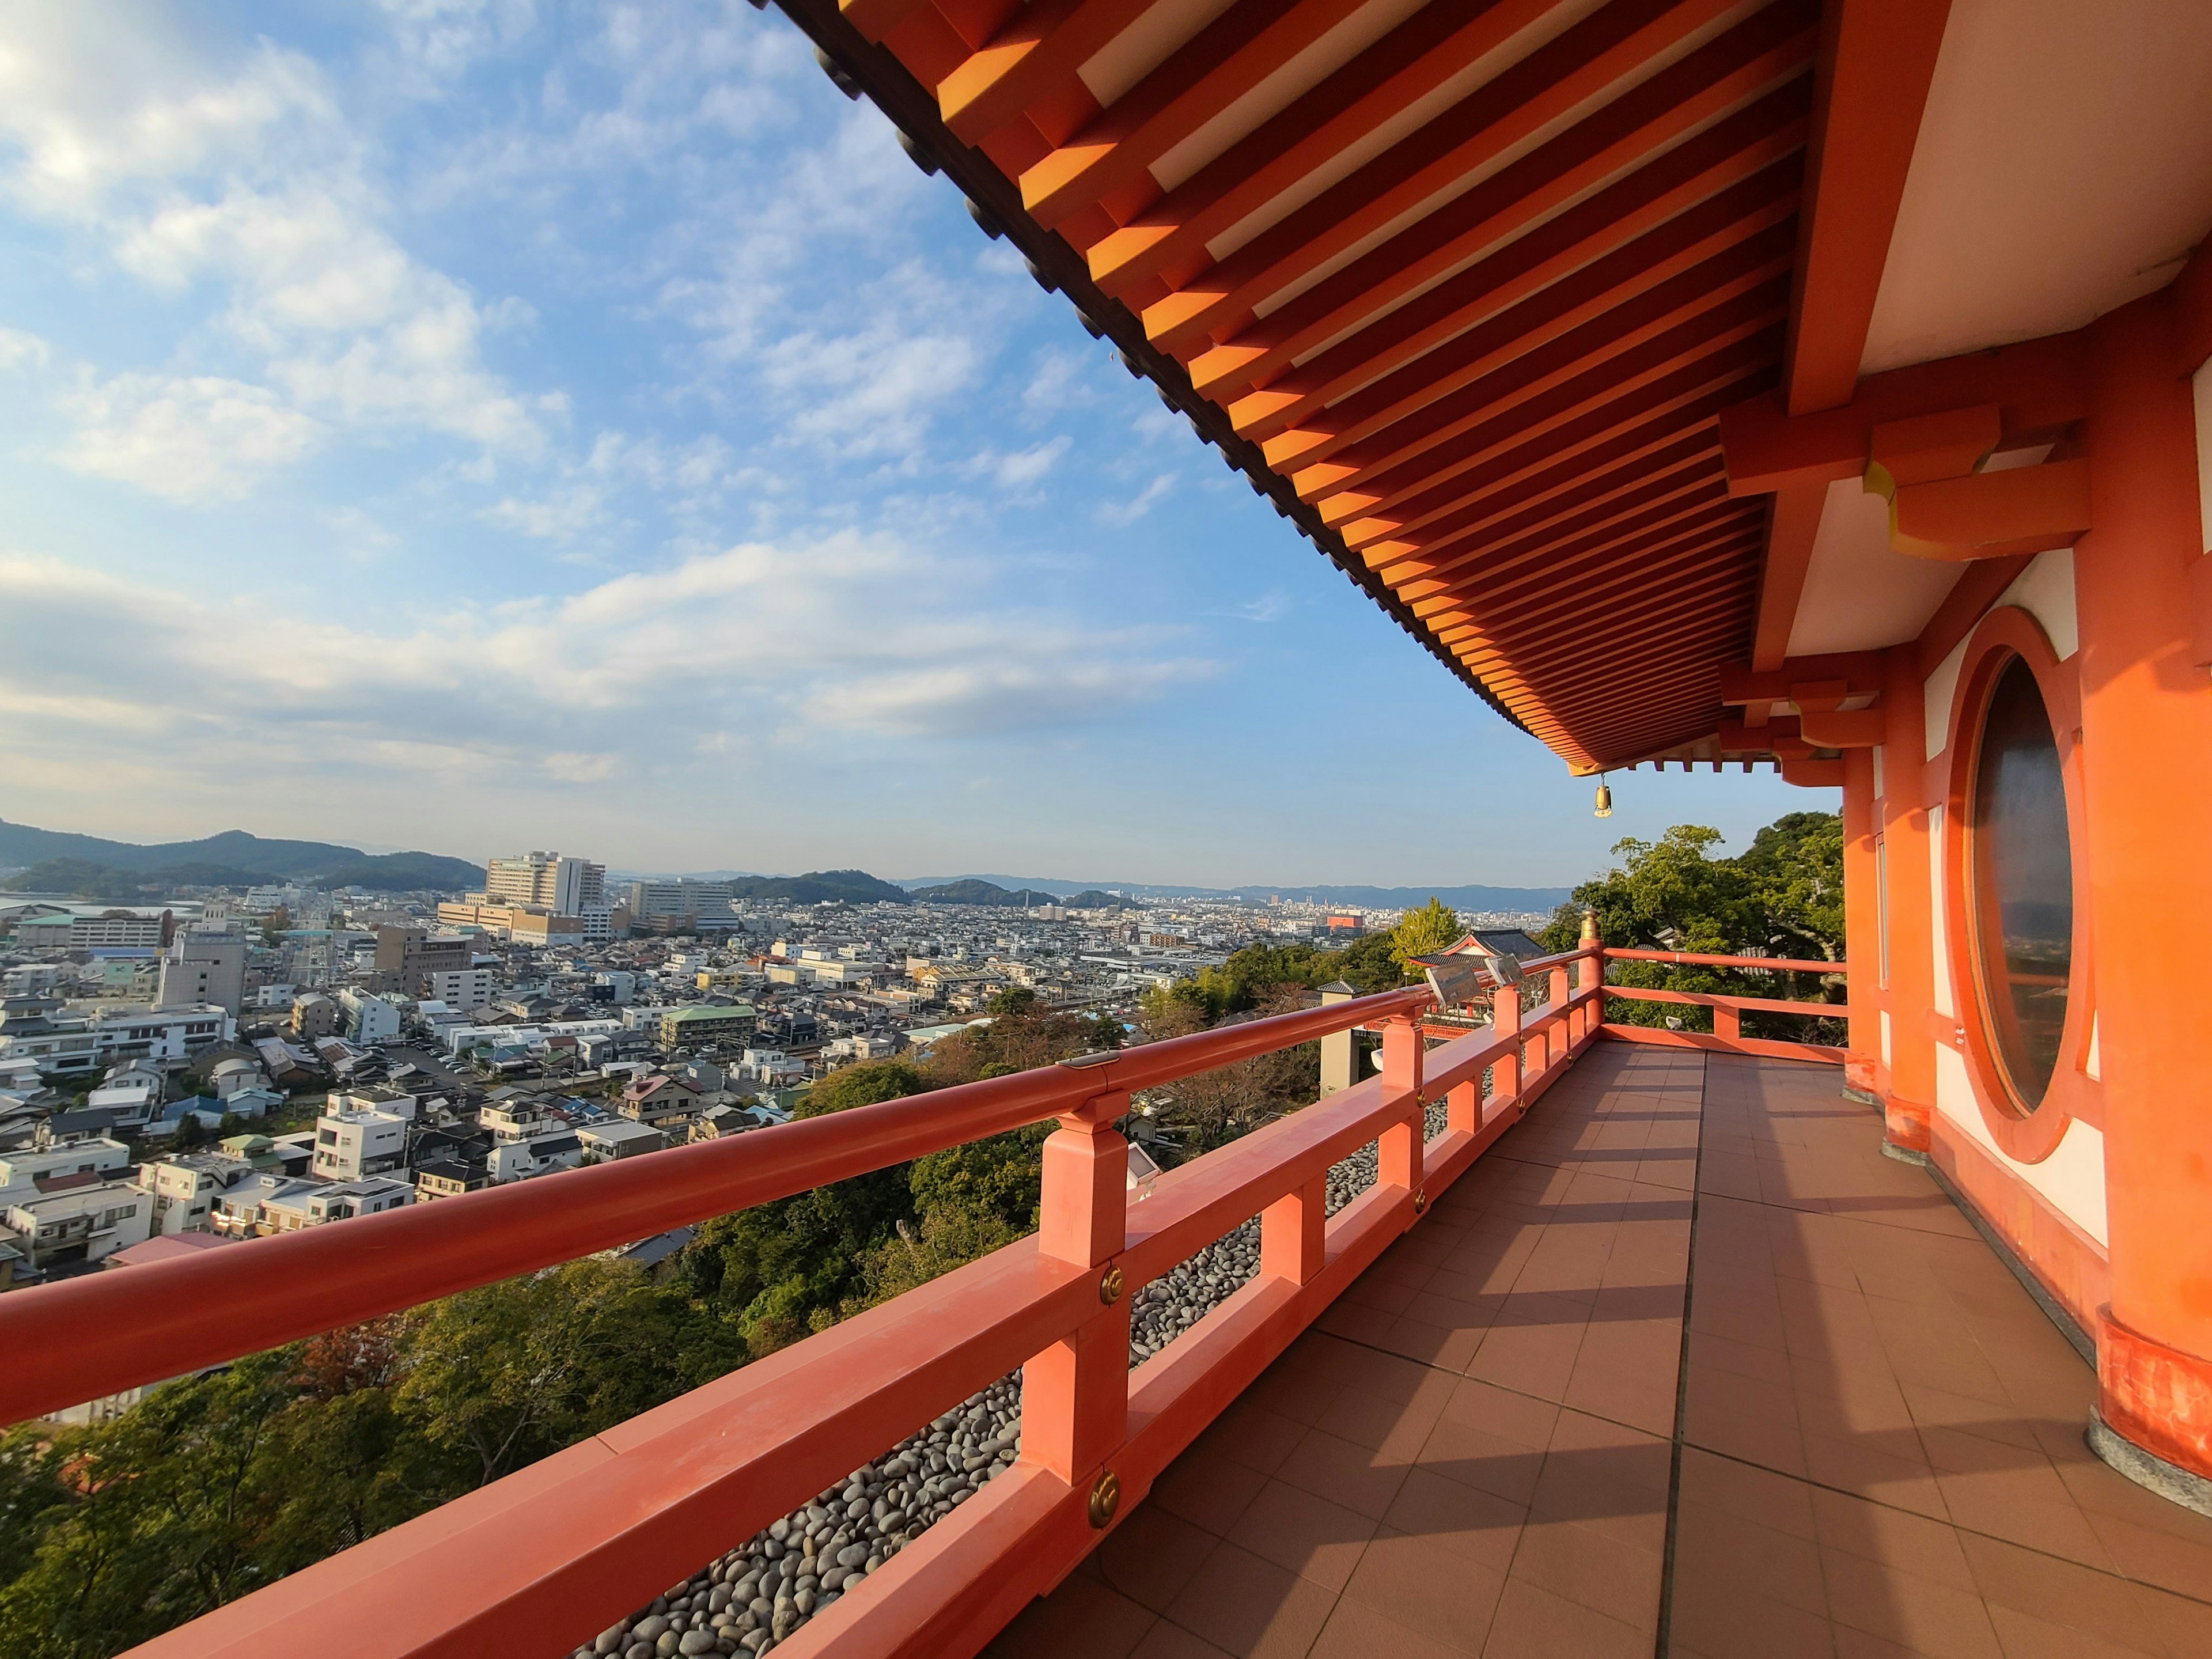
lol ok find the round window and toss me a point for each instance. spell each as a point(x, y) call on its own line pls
point(2021, 868)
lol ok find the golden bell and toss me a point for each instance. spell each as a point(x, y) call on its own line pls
point(1604, 798)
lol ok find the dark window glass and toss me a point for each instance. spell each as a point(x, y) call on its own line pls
point(2023, 874)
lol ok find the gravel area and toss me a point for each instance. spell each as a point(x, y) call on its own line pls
point(753, 1597)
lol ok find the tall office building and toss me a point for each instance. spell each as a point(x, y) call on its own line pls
point(201, 969)
point(567, 887)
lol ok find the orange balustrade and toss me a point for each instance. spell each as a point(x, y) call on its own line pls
point(1727, 1034)
point(541, 1560)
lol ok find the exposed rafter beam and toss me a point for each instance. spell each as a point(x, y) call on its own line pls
point(1877, 59)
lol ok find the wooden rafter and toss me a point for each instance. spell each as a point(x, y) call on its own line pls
point(1465, 288)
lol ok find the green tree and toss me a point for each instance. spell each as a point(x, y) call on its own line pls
point(1781, 897)
point(1370, 964)
point(1435, 926)
point(501, 1375)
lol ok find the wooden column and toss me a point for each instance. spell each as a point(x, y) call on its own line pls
point(1862, 1056)
point(1905, 931)
point(2147, 755)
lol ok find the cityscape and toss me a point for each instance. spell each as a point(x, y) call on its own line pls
point(1105, 829)
point(224, 1063)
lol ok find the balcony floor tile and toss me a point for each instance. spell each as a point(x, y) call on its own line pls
point(1479, 1451)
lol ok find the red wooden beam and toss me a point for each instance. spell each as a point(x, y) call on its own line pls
point(1877, 59)
point(1641, 122)
point(1562, 428)
point(1589, 261)
point(2039, 387)
point(1474, 133)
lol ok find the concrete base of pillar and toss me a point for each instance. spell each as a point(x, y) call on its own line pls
point(1861, 1096)
point(2148, 1469)
point(1903, 1154)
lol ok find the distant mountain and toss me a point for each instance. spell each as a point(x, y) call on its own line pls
point(820, 887)
point(1087, 895)
point(233, 858)
point(971, 891)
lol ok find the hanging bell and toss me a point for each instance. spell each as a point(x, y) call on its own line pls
point(1604, 798)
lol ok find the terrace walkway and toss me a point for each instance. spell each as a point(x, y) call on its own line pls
point(1478, 1450)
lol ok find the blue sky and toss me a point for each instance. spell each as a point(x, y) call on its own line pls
point(474, 426)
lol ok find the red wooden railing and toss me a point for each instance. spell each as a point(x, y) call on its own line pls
point(1727, 1034)
point(539, 1561)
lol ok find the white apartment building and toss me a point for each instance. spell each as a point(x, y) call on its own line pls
point(20, 1172)
point(69, 1045)
point(665, 901)
point(567, 887)
point(117, 929)
point(264, 1203)
point(182, 1189)
point(78, 1224)
point(463, 989)
point(368, 1018)
point(353, 1143)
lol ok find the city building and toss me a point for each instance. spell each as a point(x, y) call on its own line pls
point(352, 1143)
point(1824, 387)
point(84, 1221)
point(660, 1101)
point(74, 1045)
point(707, 1025)
point(182, 1189)
point(464, 990)
point(546, 881)
point(366, 1018)
point(316, 1015)
point(408, 960)
point(203, 969)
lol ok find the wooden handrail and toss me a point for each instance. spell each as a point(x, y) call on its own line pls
point(540, 1559)
point(1693, 959)
point(1721, 1000)
point(106, 1332)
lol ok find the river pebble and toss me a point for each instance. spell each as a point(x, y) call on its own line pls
point(753, 1597)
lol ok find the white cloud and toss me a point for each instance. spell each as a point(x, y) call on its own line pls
point(1125, 513)
point(1025, 468)
point(1272, 606)
point(197, 438)
point(849, 639)
point(1057, 382)
point(21, 352)
point(250, 175)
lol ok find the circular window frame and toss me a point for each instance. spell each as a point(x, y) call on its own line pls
point(2027, 1136)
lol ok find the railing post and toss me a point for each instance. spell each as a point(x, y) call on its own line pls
point(1399, 1144)
point(1728, 1024)
point(1075, 1394)
point(1504, 1071)
point(1293, 1233)
point(1592, 976)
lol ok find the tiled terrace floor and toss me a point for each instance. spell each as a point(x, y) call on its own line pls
point(1477, 1451)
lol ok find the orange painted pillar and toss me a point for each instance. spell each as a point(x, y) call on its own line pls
point(1399, 1144)
point(1862, 1057)
point(1905, 940)
point(1505, 1070)
point(1075, 1394)
point(2147, 768)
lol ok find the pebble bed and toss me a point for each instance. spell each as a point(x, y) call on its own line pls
point(758, 1594)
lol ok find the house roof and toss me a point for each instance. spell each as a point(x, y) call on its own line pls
point(168, 1247)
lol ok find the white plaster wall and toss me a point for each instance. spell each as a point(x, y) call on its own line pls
point(2072, 1179)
